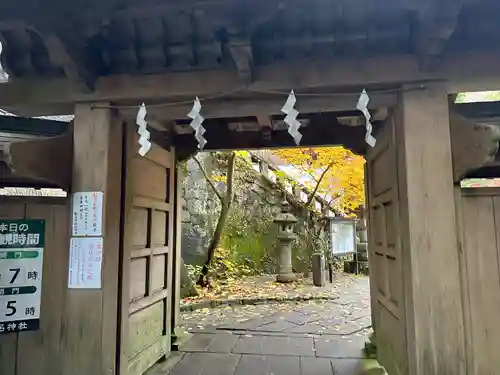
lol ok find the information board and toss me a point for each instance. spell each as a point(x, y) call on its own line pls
point(343, 236)
point(85, 261)
point(87, 213)
point(21, 265)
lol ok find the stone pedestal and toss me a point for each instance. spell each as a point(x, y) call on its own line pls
point(285, 274)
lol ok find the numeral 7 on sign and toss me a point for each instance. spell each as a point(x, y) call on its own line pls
point(16, 273)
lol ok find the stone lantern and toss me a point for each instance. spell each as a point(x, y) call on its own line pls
point(285, 221)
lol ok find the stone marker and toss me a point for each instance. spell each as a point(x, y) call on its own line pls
point(318, 267)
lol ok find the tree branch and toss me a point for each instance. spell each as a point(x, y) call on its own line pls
point(209, 180)
point(313, 194)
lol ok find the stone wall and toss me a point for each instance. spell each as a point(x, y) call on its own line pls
point(250, 231)
point(200, 209)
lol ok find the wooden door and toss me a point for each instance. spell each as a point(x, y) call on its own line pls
point(148, 259)
point(478, 213)
point(386, 276)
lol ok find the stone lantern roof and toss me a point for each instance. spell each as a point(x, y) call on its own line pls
point(285, 216)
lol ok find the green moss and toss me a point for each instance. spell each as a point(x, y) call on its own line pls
point(371, 367)
point(249, 240)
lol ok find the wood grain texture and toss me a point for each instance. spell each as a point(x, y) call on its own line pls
point(44, 344)
point(134, 236)
point(479, 215)
point(481, 74)
point(474, 145)
point(388, 299)
point(148, 261)
point(35, 159)
point(8, 343)
point(429, 233)
point(91, 315)
point(176, 250)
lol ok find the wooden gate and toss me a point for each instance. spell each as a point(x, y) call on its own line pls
point(386, 277)
point(148, 258)
point(41, 351)
point(478, 213)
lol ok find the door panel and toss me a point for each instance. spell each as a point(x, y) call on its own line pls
point(385, 252)
point(148, 246)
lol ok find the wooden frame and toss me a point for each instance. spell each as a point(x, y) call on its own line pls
point(145, 204)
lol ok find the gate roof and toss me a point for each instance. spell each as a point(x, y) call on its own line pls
point(245, 56)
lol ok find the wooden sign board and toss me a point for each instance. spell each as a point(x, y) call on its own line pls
point(21, 265)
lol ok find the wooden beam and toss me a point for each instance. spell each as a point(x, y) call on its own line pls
point(463, 72)
point(483, 111)
point(241, 52)
point(474, 145)
point(436, 24)
point(34, 160)
point(32, 126)
point(266, 126)
point(66, 52)
point(322, 131)
point(264, 121)
point(265, 106)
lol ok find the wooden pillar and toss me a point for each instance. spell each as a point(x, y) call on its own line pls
point(89, 341)
point(434, 319)
point(177, 252)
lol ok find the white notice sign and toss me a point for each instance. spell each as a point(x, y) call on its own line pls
point(85, 260)
point(87, 213)
point(343, 237)
point(21, 266)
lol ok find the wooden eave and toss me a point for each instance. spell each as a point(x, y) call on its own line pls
point(121, 54)
point(145, 37)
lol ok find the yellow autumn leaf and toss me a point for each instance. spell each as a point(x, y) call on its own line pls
point(344, 179)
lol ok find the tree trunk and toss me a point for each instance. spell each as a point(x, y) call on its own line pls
point(202, 280)
point(226, 201)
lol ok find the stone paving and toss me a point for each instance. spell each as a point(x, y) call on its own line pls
point(323, 338)
point(253, 290)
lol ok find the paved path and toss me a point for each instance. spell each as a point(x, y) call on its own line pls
point(251, 289)
point(305, 338)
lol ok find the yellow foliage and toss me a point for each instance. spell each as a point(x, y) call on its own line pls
point(344, 180)
point(220, 178)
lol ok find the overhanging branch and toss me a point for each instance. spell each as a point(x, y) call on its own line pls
point(209, 180)
point(313, 194)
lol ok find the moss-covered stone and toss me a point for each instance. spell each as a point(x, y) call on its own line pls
point(371, 367)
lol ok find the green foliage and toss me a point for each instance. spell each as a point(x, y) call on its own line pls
point(480, 96)
point(226, 266)
point(193, 270)
point(250, 240)
point(311, 239)
point(182, 167)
